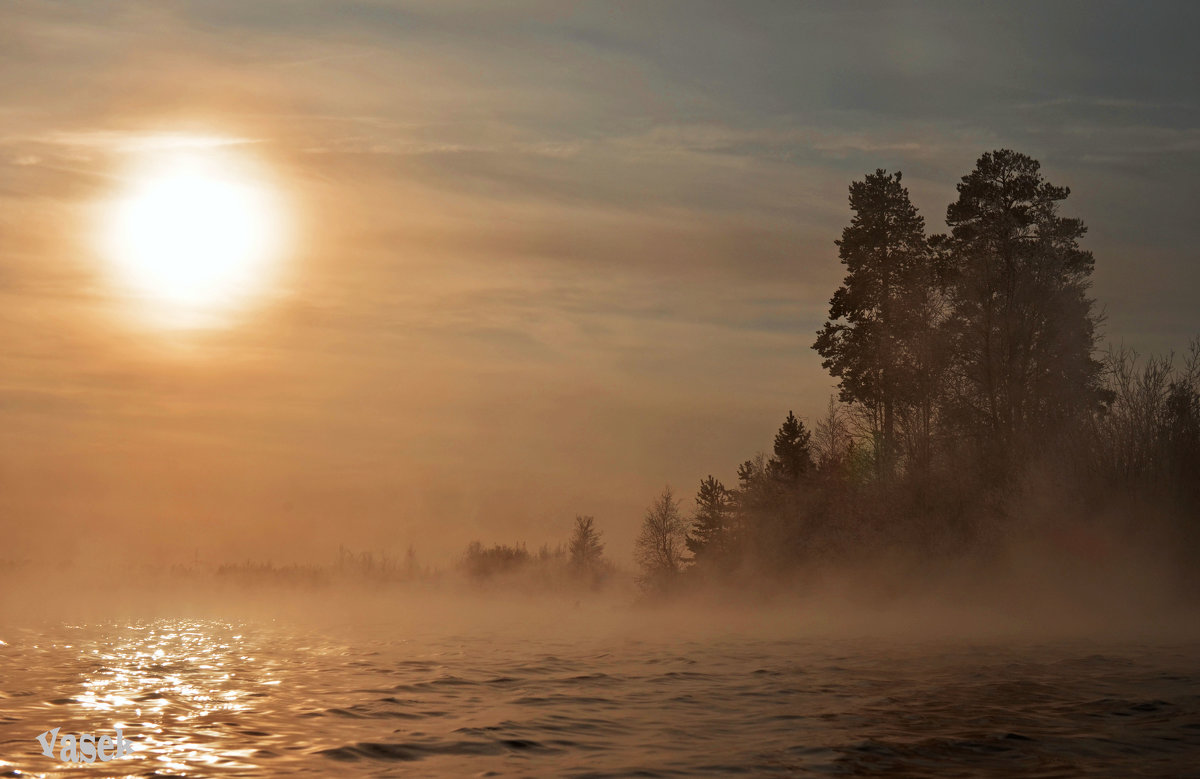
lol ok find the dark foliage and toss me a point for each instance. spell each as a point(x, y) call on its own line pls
point(880, 340)
point(482, 562)
point(1021, 322)
point(971, 391)
point(709, 536)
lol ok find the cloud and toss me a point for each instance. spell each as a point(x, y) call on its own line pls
point(581, 248)
point(132, 143)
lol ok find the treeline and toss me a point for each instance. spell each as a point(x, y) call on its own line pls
point(349, 566)
point(973, 402)
point(581, 563)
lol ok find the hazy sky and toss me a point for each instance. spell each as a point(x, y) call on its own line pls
point(545, 257)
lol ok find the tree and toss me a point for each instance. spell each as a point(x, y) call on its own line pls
point(876, 342)
point(754, 497)
point(751, 473)
point(658, 549)
point(1022, 326)
point(483, 563)
point(585, 548)
point(769, 501)
point(833, 442)
point(709, 533)
point(793, 451)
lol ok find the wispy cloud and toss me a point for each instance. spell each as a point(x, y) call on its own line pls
point(562, 224)
point(128, 142)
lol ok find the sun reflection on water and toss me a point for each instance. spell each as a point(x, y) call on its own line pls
point(178, 691)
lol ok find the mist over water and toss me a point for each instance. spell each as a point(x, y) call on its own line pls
point(450, 679)
point(401, 388)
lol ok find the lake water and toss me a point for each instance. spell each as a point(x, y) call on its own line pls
point(203, 697)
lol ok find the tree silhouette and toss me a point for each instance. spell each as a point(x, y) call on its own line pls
point(658, 549)
point(709, 534)
point(1022, 324)
point(793, 451)
point(585, 548)
point(833, 443)
point(956, 355)
point(877, 340)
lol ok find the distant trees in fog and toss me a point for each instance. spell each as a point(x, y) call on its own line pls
point(366, 564)
point(1148, 433)
point(659, 548)
point(585, 547)
point(484, 562)
point(580, 563)
point(586, 551)
point(966, 366)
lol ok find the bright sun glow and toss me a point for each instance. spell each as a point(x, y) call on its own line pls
point(194, 235)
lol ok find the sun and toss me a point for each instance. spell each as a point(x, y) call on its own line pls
point(193, 235)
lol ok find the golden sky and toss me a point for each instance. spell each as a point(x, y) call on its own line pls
point(539, 260)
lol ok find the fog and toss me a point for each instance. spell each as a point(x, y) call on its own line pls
point(599, 389)
point(1025, 594)
point(515, 293)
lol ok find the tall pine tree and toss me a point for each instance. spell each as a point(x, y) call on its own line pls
point(710, 531)
point(878, 337)
point(1022, 323)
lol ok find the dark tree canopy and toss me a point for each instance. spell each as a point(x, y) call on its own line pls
point(793, 450)
point(1022, 323)
point(710, 524)
point(966, 363)
point(876, 341)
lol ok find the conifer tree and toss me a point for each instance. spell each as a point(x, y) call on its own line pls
point(1022, 324)
point(585, 547)
point(793, 450)
point(709, 534)
point(877, 337)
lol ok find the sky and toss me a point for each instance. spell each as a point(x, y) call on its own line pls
point(542, 259)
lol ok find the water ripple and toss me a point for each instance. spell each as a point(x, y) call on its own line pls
point(201, 698)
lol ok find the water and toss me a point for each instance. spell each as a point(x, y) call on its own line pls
point(207, 697)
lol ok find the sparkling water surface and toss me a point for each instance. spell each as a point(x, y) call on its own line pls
point(209, 698)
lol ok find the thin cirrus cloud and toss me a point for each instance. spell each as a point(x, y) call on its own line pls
point(549, 256)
